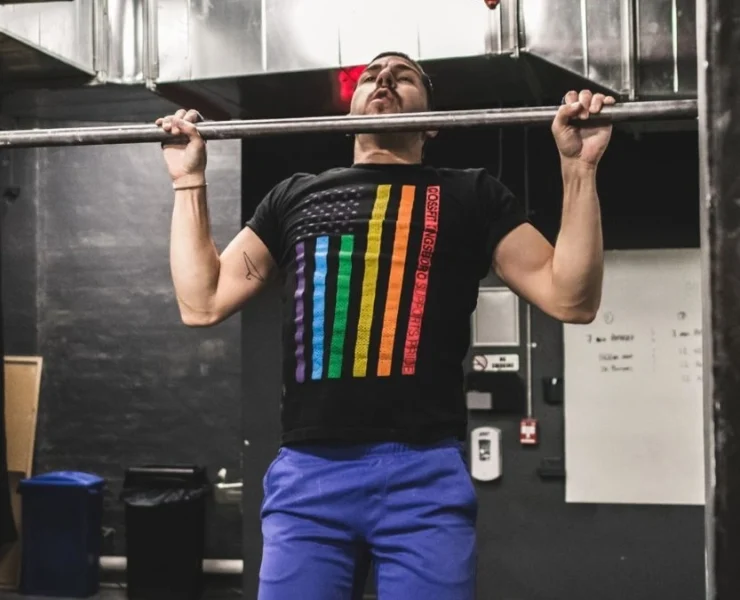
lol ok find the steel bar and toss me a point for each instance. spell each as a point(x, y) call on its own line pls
point(223, 130)
point(718, 54)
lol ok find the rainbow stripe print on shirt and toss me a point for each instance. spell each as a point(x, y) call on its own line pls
point(361, 282)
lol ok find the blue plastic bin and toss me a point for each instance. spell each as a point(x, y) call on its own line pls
point(61, 534)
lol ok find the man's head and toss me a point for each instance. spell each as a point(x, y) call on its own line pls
point(393, 83)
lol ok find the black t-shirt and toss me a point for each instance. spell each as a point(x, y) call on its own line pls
point(381, 268)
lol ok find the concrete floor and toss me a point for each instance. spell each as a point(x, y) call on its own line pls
point(103, 595)
point(120, 594)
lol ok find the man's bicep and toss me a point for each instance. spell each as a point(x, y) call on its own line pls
point(246, 268)
point(250, 260)
point(523, 260)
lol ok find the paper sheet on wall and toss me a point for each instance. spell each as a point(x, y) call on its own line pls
point(633, 385)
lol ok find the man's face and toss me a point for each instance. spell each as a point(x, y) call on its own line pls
point(390, 84)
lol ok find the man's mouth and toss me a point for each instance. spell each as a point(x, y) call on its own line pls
point(382, 94)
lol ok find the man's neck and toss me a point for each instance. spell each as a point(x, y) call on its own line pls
point(368, 151)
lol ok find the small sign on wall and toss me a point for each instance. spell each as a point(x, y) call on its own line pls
point(496, 362)
point(495, 321)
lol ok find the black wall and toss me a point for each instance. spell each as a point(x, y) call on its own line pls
point(88, 287)
point(18, 190)
point(533, 545)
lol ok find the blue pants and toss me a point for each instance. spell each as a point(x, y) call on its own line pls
point(328, 511)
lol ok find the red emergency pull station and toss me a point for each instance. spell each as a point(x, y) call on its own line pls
point(492, 3)
point(528, 432)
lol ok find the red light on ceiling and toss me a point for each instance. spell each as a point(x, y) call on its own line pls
point(347, 79)
point(492, 3)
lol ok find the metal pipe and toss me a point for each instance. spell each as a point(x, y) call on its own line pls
point(150, 67)
point(718, 29)
point(130, 134)
point(584, 37)
point(706, 208)
point(629, 47)
point(212, 566)
point(674, 44)
point(528, 307)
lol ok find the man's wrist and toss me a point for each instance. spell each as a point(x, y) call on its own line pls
point(189, 181)
point(574, 168)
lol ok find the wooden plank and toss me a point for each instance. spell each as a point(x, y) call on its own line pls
point(22, 389)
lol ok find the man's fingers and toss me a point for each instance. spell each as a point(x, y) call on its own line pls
point(570, 97)
point(597, 103)
point(193, 116)
point(165, 122)
point(575, 105)
point(179, 124)
point(585, 103)
point(186, 127)
point(585, 97)
point(565, 113)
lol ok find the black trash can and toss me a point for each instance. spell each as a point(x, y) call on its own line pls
point(165, 508)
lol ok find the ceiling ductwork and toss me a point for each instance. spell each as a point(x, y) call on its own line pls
point(3, 2)
point(47, 43)
point(131, 59)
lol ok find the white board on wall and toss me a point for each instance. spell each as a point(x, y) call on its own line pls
point(633, 385)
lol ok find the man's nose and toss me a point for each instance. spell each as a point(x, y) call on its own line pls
point(386, 79)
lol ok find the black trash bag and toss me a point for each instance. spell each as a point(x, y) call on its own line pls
point(158, 485)
point(165, 509)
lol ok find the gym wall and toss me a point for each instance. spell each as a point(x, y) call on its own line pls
point(87, 286)
point(18, 189)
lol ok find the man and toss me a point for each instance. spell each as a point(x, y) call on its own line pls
point(381, 264)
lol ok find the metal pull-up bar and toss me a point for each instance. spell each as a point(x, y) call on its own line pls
point(223, 130)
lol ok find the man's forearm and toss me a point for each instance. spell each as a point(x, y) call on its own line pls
point(194, 259)
point(577, 267)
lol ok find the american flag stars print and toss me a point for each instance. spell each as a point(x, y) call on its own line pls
point(332, 212)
